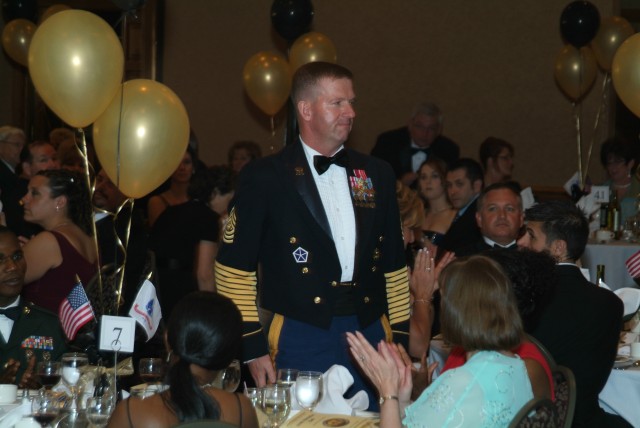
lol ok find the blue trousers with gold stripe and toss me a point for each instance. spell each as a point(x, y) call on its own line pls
point(298, 345)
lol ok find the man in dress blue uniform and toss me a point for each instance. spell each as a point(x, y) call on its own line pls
point(315, 231)
point(28, 333)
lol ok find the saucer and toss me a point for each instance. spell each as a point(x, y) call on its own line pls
point(622, 361)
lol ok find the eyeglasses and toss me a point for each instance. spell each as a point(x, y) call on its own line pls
point(15, 144)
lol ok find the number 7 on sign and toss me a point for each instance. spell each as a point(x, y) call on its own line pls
point(117, 333)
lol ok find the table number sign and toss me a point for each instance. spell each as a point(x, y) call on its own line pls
point(117, 334)
point(600, 194)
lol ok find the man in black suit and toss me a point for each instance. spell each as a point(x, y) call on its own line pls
point(28, 333)
point(12, 141)
point(323, 224)
point(500, 218)
point(581, 324)
point(408, 147)
point(464, 184)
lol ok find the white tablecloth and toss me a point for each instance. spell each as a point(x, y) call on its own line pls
point(621, 395)
point(612, 256)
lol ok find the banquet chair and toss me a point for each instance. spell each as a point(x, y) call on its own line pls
point(565, 390)
point(544, 351)
point(204, 423)
point(536, 413)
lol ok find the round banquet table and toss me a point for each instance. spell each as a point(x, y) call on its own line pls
point(612, 255)
point(621, 394)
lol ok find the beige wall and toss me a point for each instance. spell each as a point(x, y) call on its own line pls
point(489, 65)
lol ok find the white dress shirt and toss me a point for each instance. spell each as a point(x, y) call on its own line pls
point(417, 158)
point(6, 324)
point(333, 187)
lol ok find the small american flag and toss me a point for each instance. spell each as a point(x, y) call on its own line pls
point(75, 311)
point(633, 265)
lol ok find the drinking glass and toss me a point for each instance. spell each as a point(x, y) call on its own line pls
point(255, 396)
point(48, 373)
point(44, 409)
point(99, 410)
point(151, 370)
point(286, 376)
point(308, 389)
point(231, 377)
point(72, 364)
point(276, 403)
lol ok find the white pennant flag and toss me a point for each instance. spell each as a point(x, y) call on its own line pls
point(146, 309)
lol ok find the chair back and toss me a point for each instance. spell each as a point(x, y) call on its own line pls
point(565, 392)
point(544, 351)
point(204, 423)
point(537, 412)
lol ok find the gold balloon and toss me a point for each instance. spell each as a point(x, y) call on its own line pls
point(575, 71)
point(16, 38)
point(625, 73)
point(312, 47)
point(267, 80)
point(153, 128)
point(76, 63)
point(51, 10)
point(612, 32)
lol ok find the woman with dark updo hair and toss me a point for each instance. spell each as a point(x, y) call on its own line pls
point(58, 201)
point(203, 336)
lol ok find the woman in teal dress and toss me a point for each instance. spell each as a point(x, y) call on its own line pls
point(479, 314)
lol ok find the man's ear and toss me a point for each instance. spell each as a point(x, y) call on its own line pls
point(304, 110)
point(477, 186)
point(558, 249)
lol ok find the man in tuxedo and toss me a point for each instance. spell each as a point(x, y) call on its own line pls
point(323, 225)
point(464, 184)
point(28, 333)
point(108, 199)
point(408, 147)
point(12, 141)
point(499, 217)
point(581, 324)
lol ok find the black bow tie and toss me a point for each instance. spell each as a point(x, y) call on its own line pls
point(12, 313)
point(415, 150)
point(322, 163)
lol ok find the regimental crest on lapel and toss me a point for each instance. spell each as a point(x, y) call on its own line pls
point(362, 191)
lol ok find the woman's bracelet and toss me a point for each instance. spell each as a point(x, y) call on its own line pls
point(423, 300)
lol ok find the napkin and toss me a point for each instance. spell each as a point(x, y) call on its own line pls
point(630, 298)
point(13, 413)
point(336, 381)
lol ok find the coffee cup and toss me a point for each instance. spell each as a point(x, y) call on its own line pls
point(8, 393)
point(635, 350)
point(604, 235)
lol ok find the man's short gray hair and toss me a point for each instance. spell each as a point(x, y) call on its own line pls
point(428, 109)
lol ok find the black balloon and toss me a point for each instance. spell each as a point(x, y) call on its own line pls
point(291, 18)
point(128, 5)
point(579, 23)
point(15, 9)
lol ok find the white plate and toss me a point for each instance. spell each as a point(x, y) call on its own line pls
point(622, 361)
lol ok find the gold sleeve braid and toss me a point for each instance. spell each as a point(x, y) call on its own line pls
point(239, 286)
point(398, 295)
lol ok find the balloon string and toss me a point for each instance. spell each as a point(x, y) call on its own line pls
point(273, 128)
point(91, 187)
point(603, 106)
point(120, 271)
point(576, 118)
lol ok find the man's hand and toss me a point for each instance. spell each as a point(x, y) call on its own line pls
point(29, 379)
point(9, 371)
point(262, 370)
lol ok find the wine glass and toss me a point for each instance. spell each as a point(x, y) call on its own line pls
point(276, 403)
point(99, 410)
point(151, 370)
point(231, 377)
point(48, 373)
point(286, 376)
point(255, 396)
point(308, 389)
point(72, 364)
point(44, 409)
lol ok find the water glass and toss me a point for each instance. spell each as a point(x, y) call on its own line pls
point(276, 404)
point(99, 411)
point(286, 376)
point(255, 396)
point(308, 389)
point(72, 364)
